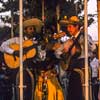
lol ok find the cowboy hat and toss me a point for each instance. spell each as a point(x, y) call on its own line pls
point(37, 23)
point(71, 20)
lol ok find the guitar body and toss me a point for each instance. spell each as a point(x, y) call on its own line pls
point(14, 61)
point(32, 51)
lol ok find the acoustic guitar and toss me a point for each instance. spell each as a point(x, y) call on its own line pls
point(13, 61)
point(66, 57)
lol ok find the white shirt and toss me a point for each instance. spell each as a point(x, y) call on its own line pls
point(94, 64)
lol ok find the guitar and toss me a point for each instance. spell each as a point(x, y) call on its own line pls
point(13, 61)
point(66, 57)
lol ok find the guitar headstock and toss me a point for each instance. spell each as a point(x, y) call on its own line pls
point(59, 35)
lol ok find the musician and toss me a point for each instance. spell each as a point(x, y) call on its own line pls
point(30, 38)
point(75, 62)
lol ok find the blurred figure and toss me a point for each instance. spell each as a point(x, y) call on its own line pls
point(47, 77)
point(94, 65)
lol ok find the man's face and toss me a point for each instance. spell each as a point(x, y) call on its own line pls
point(72, 29)
point(29, 30)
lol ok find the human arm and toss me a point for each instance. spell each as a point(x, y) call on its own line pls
point(67, 48)
point(5, 46)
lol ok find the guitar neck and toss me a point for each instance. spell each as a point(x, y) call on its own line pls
point(26, 49)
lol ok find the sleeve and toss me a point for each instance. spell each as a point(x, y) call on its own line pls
point(5, 45)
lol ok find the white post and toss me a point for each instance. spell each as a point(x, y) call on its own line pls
point(86, 51)
point(98, 9)
point(21, 50)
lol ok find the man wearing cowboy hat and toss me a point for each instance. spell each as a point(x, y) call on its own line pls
point(75, 29)
point(74, 49)
point(30, 28)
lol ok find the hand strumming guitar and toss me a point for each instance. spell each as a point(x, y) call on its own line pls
point(67, 45)
point(72, 49)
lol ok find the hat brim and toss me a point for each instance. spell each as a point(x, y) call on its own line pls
point(37, 23)
point(74, 22)
point(63, 22)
